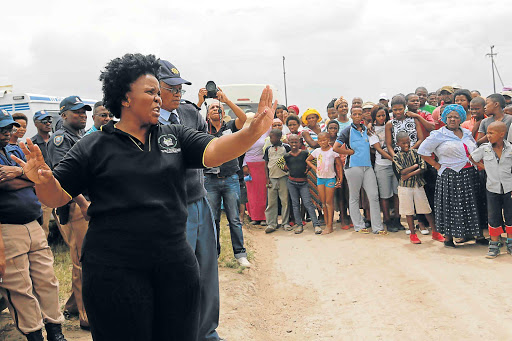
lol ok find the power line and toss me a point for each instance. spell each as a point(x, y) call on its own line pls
point(501, 80)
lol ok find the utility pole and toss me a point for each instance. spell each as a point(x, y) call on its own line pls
point(492, 66)
point(285, 94)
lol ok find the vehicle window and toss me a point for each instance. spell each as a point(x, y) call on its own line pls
point(249, 107)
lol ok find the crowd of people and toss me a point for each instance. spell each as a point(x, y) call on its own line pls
point(138, 196)
point(440, 158)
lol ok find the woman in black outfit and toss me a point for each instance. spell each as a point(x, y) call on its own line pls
point(140, 276)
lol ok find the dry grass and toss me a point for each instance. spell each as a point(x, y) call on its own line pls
point(227, 258)
point(62, 267)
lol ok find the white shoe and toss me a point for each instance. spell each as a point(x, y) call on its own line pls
point(425, 231)
point(407, 232)
point(244, 262)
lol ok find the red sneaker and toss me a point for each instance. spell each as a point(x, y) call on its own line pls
point(346, 227)
point(437, 236)
point(414, 239)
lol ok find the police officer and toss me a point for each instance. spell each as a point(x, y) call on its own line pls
point(27, 278)
point(43, 122)
point(200, 227)
point(72, 217)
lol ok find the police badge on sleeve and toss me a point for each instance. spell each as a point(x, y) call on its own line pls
point(168, 143)
point(58, 139)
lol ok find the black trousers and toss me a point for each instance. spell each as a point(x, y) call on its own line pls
point(160, 302)
point(499, 206)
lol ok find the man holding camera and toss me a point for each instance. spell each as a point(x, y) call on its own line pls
point(221, 183)
point(201, 233)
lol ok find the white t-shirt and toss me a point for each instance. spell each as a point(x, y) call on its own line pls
point(325, 163)
point(380, 136)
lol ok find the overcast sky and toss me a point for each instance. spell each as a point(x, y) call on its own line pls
point(332, 48)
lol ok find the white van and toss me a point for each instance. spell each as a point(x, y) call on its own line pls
point(246, 96)
point(29, 104)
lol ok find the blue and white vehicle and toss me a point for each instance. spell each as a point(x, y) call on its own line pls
point(28, 104)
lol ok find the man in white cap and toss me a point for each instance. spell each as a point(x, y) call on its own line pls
point(384, 100)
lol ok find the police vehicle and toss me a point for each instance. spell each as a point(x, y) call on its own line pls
point(28, 104)
point(246, 96)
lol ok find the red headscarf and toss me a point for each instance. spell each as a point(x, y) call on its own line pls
point(294, 108)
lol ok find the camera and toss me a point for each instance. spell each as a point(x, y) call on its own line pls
point(211, 89)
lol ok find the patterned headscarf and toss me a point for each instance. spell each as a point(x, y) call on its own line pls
point(454, 107)
point(295, 108)
point(339, 101)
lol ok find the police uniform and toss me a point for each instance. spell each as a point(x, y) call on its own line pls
point(29, 283)
point(201, 233)
point(74, 229)
point(43, 146)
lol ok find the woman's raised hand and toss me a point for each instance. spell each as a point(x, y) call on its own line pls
point(35, 168)
point(263, 119)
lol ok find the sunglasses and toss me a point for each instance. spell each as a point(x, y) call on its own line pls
point(175, 90)
point(6, 130)
point(46, 121)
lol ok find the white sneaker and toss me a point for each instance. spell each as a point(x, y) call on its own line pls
point(244, 262)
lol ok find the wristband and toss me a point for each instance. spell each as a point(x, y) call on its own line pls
point(22, 171)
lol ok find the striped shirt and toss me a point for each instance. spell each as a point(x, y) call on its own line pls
point(405, 160)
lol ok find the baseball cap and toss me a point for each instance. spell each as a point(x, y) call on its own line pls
point(6, 119)
point(506, 93)
point(447, 88)
point(170, 75)
point(368, 105)
point(73, 103)
point(39, 115)
point(383, 96)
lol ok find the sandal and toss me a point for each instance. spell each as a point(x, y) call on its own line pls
point(299, 229)
point(364, 231)
point(318, 230)
point(381, 232)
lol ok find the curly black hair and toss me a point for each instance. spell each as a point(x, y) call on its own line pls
point(120, 73)
point(463, 92)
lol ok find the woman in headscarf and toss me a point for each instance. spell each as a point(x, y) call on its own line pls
point(341, 106)
point(342, 194)
point(293, 110)
point(457, 186)
point(310, 133)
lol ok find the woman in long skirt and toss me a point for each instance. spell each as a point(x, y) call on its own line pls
point(457, 186)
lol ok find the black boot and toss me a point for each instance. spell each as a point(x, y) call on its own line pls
point(35, 336)
point(54, 332)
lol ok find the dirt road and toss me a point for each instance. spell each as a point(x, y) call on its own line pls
point(348, 286)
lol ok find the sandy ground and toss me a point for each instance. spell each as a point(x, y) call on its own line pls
point(348, 286)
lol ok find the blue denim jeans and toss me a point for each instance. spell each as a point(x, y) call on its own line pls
point(297, 191)
point(227, 190)
point(201, 235)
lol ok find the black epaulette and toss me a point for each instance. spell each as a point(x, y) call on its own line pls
point(184, 101)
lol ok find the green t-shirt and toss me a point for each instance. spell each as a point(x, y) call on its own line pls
point(428, 107)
